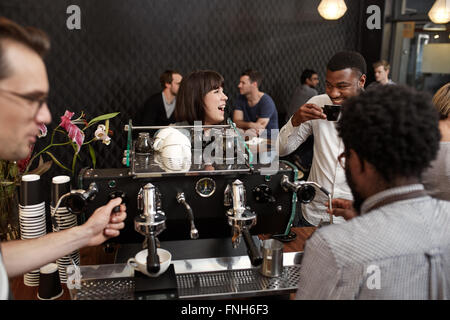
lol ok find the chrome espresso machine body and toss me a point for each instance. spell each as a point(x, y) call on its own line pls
point(206, 213)
point(196, 201)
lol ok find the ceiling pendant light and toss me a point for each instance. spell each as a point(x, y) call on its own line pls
point(439, 12)
point(332, 9)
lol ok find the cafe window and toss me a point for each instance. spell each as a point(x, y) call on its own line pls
point(418, 49)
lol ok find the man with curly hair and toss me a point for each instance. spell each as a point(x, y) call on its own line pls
point(398, 245)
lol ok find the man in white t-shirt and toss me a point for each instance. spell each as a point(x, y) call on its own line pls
point(23, 107)
point(345, 78)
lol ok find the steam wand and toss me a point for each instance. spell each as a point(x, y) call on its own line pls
point(181, 199)
point(305, 191)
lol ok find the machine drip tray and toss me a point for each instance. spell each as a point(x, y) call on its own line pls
point(205, 278)
point(162, 287)
point(189, 249)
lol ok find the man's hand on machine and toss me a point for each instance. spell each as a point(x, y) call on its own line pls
point(343, 208)
point(105, 223)
point(308, 111)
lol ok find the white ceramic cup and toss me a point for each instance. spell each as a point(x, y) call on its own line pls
point(139, 262)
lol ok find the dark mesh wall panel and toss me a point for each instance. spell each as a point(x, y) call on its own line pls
point(113, 63)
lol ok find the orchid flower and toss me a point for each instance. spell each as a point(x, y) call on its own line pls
point(101, 134)
point(75, 133)
point(76, 137)
point(43, 130)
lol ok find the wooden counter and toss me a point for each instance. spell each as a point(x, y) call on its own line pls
point(97, 255)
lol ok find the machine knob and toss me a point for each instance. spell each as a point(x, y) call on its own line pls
point(263, 194)
point(116, 194)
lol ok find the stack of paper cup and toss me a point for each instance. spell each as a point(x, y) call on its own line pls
point(63, 219)
point(31, 217)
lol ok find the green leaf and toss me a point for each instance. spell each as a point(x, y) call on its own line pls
point(93, 157)
point(57, 162)
point(103, 117)
point(13, 170)
point(74, 161)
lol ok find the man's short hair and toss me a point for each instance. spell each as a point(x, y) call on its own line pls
point(306, 74)
point(166, 77)
point(33, 38)
point(383, 63)
point(348, 59)
point(441, 101)
point(397, 130)
point(254, 75)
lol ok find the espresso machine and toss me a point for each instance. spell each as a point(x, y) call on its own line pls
point(200, 210)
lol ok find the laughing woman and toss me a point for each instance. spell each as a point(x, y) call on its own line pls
point(201, 98)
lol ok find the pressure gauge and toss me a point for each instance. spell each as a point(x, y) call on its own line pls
point(205, 187)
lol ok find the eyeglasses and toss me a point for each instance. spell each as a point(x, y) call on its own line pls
point(36, 103)
point(341, 159)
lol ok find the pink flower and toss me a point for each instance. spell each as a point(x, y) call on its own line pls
point(43, 131)
point(73, 131)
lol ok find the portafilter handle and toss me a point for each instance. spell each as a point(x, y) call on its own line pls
point(242, 219)
point(252, 250)
point(153, 264)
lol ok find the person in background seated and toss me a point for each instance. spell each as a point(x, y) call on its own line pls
point(159, 108)
point(307, 89)
point(381, 70)
point(254, 110)
point(398, 245)
point(302, 157)
point(437, 178)
point(24, 90)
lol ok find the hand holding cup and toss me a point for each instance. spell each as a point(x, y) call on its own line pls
point(308, 111)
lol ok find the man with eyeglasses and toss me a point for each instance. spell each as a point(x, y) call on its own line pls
point(24, 89)
point(398, 244)
point(345, 78)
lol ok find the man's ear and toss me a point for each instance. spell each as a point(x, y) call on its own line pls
point(357, 162)
point(362, 81)
point(361, 166)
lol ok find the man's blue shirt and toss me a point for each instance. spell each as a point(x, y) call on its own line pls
point(265, 108)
